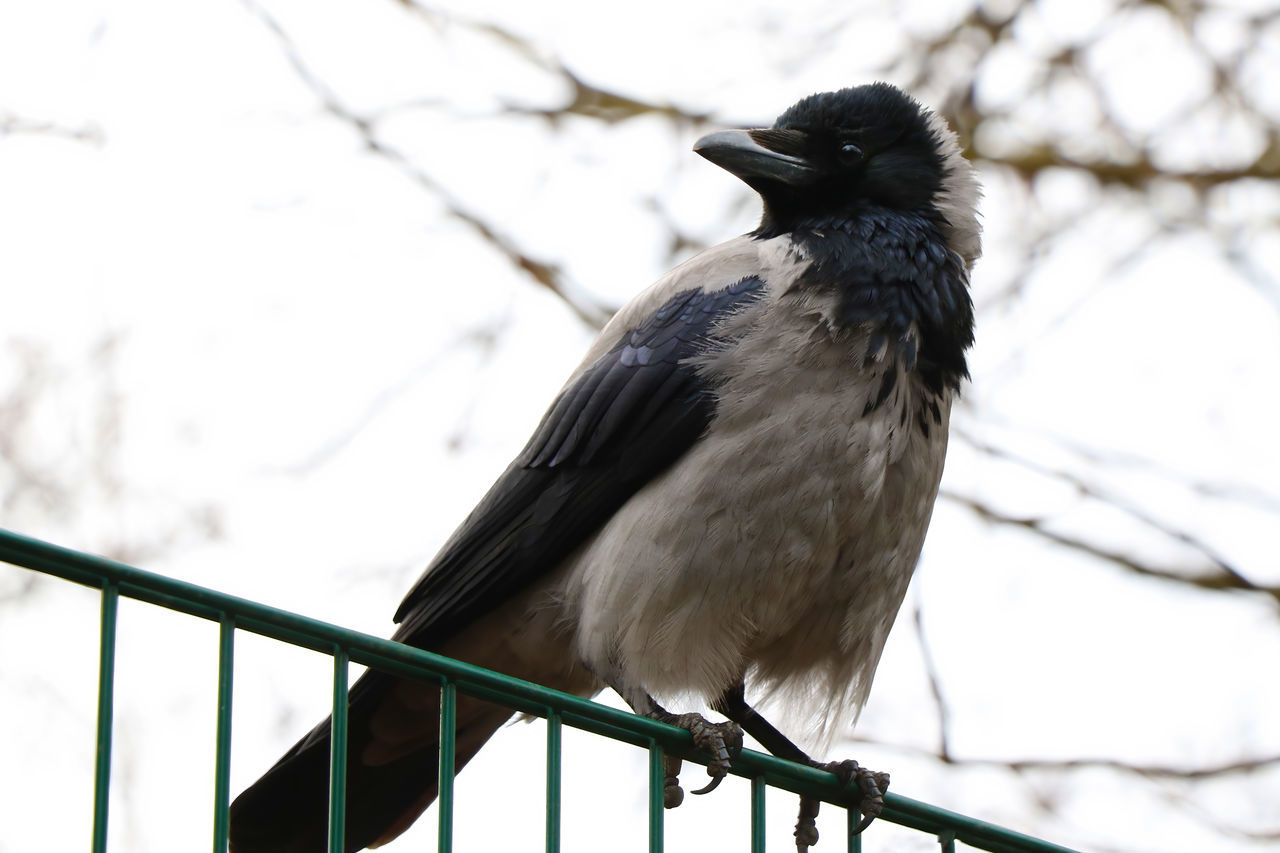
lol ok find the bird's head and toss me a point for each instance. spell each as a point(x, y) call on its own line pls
point(834, 153)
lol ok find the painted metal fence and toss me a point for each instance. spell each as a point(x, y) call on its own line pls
point(559, 709)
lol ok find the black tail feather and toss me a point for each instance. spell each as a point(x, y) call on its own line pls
point(287, 810)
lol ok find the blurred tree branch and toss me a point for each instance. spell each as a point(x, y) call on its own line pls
point(547, 275)
point(49, 475)
point(1225, 579)
point(12, 124)
point(1239, 767)
point(586, 100)
point(1220, 575)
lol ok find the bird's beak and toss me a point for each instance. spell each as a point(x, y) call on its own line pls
point(754, 154)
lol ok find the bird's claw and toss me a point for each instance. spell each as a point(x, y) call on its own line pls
point(722, 741)
point(710, 786)
point(871, 788)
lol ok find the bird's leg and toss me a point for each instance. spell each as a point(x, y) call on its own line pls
point(721, 741)
point(871, 786)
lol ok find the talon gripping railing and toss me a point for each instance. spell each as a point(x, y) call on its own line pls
point(343, 645)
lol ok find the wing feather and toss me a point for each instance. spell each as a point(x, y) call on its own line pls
point(624, 420)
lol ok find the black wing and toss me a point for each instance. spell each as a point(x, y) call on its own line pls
point(628, 416)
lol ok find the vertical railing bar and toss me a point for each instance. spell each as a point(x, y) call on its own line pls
point(338, 754)
point(855, 837)
point(947, 841)
point(657, 786)
point(222, 769)
point(554, 764)
point(757, 814)
point(448, 755)
point(106, 707)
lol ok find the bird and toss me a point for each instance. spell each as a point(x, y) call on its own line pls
point(727, 498)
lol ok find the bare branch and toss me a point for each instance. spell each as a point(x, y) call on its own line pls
point(935, 684)
point(1138, 174)
point(1224, 579)
point(548, 275)
point(15, 125)
point(1222, 770)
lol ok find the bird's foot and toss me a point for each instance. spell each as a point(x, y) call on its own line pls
point(722, 741)
point(871, 787)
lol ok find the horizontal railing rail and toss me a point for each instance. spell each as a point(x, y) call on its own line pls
point(344, 645)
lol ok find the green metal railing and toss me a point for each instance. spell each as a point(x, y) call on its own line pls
point(232, 614)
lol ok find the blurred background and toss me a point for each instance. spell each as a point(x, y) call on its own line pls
point(286, 284)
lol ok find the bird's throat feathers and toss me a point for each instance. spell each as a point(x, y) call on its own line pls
point(895, 274)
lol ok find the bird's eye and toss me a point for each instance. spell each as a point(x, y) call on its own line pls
point(850, 153)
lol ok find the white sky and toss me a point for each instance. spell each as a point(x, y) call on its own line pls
point(297, 329)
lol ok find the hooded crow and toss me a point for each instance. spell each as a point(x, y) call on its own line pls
point(729, 494)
